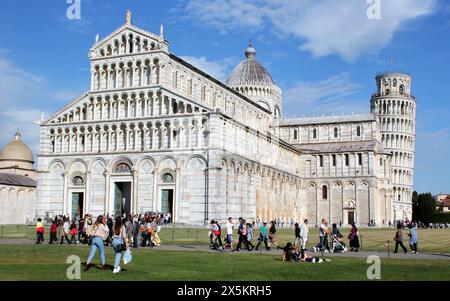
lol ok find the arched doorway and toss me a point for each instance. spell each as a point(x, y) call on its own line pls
point(121, 190)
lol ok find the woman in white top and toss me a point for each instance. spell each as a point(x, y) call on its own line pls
point(99, 233)
point(119, 242)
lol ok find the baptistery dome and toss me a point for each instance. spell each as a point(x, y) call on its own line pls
point(249, 72)
point(252, 80)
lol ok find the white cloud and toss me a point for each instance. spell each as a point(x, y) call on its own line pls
point(333, 95)
point(21, 95)
point(217, 69)
point(322, 27)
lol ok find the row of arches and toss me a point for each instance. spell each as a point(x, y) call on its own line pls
point(128, 43)
point(404, 177)
point(160, 134)
point(394, 107)
point(256, 91)
point(404, 142)
point(125, 74)
point(403, 159)
point(398, 125)
point(402, 194)
point(127, 105)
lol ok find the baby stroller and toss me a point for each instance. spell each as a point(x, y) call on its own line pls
point(337, 245)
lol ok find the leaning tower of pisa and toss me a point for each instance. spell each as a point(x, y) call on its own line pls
point(396, 110)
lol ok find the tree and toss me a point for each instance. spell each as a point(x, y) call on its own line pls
point(415, 206)
point(424, 207)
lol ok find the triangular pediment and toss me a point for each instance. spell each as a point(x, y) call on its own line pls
point(64, 112)
point(147, 41)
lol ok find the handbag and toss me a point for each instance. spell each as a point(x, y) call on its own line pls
point(91, 237)
point(127, 257)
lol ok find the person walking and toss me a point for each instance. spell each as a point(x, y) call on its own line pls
point(297, 242)
point(64, 223)
point(250, 236)
point(98, 233)
point(398, 238)
point(81, 235)
point(241, 232)
point(304, 231)
point(262, 236)
point(413, 239)
point(229, 226)
point(73, 232)
point(273, 235)
point(353, 238)
point(135, 231)
point(119, 242)
point(39, 231)
point(323, 238)
point(53, 233)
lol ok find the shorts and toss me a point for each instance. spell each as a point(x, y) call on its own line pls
point(229, 237)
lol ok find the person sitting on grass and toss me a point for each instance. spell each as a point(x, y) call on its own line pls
point(290, 253)
point(305, 258)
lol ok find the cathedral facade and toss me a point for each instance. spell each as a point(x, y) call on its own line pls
point(154, 133)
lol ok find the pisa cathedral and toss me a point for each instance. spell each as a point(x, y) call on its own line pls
point(154, 133)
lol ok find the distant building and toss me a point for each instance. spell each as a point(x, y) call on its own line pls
point(17, 183)
point(442, 202)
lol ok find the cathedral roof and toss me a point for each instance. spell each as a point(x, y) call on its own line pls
point(249, 72)
point(328, 119)
point(16, 180)
point(16, 150)
point(337, 147)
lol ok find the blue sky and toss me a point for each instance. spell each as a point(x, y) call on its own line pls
point(323, 54)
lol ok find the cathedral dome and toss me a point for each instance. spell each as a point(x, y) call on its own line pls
point(16, 150)
point(249, 72)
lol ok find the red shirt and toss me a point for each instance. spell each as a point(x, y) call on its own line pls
point(53, 228)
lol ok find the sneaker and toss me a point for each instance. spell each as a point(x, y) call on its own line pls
point(117, 270)
point(326, 251)
point(87, 266)
point(413, 252)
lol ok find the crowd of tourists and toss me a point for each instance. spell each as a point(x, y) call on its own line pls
point(143, 230)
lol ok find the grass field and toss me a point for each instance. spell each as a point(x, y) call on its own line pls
point(44, 262)
point(373, 239)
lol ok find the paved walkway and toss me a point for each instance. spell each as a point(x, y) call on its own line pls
point(205, 248)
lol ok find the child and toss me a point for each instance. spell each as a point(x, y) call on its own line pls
point(73, 232)
point(53, 231)
point(39, 231)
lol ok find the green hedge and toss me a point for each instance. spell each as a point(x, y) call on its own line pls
point(442, 217)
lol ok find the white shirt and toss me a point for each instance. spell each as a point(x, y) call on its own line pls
point(229, 228)
point(66, 227)
point(324, 230)
point(304, 231)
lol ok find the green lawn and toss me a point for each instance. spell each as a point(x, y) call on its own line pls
point(373, 239)
point(44, 262)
